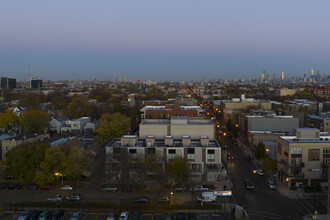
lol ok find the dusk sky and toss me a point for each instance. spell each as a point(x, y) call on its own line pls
point(163, 40)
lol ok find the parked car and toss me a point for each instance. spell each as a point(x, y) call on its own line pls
point(168, 216)
point(2, 186)
point(192, 216)
point(136, 215)
point(271, 184)
point(260, 172)
point(130, 189)
point(45, 215)
point(163, 200)
point(112, 216)
point(248, 158)
point(14, 187)
point(47, 187)
point(77, 215)
point(74, 198)
point(124, 216)
point(179, 188)
point(180, 216)
point(66, 188)
point(109, 188)
point(234, 141)
point(248, 184)
point(200, 188)
point(141, 199)
point(56, 198)
point(31, 187)
point(57, 215)
point(25, 215)
point(34, 215)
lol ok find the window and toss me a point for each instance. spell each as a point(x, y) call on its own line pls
point(171, 154)
point(213, 167)
point(132, 151)
point(326, 150)
point(6, 148)
point(210, 155)
point(196, 167)
point(295, 150)
point(191, 154)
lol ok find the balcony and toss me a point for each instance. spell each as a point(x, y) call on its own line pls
point(294, 165)
point(297, 175)
point(324, 165)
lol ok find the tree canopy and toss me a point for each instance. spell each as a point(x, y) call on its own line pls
point(35, 121)
point(111, 126)
point(260, 151)
point(179, 170)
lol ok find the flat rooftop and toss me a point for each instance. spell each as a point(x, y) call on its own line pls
point(294, 139)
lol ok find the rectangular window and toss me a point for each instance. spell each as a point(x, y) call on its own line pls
point(132, 151)
point(295, 150)
point(191, 150)
point(191, 154)
point(326, 150)
point(196, 167)
point(171, 155)
point(171, 151)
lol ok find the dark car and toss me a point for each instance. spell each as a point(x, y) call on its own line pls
point(179, 188)
point(48, 187)
point(44, 215)
point(163, 200)
point(57, 215)
point(31, 187)
point(136, 215)
point(168, 216)
point(14, 187)
point(248, 184)
point(112, 216)
point(192, 216)
point(141, 199)
point(130, 189)
point(180, 216)
point(248, 158)
point(34, 215)
point(230, 157)
point(234, 141)
point(2, 186)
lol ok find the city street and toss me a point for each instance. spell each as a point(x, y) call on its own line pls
point(262, 202)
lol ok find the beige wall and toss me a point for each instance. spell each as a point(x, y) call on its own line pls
point(159, 131)
point(245, 105)
point(194, 131)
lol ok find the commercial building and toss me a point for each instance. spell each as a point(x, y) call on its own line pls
point(177, 127)
point(35, 83)
point(8, 82)
point(169, 110)
point(303, 159)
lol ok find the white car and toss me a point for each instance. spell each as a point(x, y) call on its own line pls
point(25, 215)
point(271, 184)
point(56, 198)
point(260, 172)
point(66, 188)
point(109, 188)
point(124, 216)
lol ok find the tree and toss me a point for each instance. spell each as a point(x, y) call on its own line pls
point(260, 151)
point(78, 107)
point(31, 100)
point(24, 161)
point(111, 126)
point(229, 124)
point(179, 170)
point(8, 119)
point(35, 121)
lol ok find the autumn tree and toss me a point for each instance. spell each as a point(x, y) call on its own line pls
point(35, 121)
point(24, 161)
point(179, 170)
point(8, 119)
point(31, 100)
point(111, 126)
point(79, 107)
point(260, 151)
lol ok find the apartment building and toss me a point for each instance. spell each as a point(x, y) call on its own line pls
point(303, 159)
point(124, 157)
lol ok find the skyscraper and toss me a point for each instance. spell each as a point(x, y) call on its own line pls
point(282, 77)
point(312, 72)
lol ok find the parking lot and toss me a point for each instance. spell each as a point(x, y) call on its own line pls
point(103, 215)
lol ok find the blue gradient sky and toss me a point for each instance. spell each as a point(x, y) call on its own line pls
point(163, 40)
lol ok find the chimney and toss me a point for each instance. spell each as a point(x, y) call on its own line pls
point(204, 141)
point(186, 141)
point(169, 141)
point(150, 140)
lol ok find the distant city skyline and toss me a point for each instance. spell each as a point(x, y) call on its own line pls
point(170, 40)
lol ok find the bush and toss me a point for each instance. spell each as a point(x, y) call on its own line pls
point(293, 187)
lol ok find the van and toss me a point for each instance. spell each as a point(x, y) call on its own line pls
point(207, 197)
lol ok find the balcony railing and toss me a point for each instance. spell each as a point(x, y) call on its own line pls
point(293, 165)
point(298, 175)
